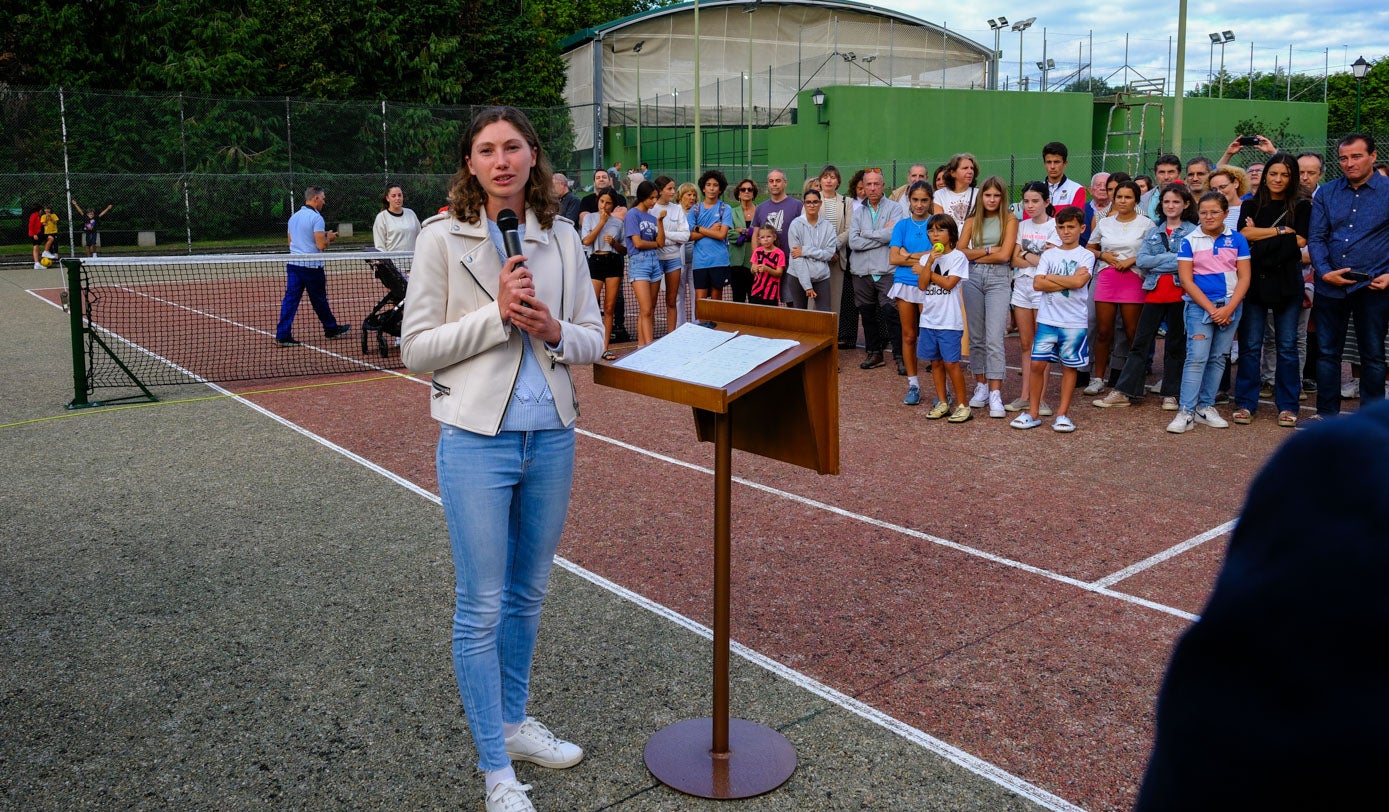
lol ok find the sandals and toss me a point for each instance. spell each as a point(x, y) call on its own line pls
point(1242, 416)
point(609, 355)
point(1287, 420)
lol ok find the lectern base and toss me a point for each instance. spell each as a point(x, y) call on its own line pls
point(759, 759)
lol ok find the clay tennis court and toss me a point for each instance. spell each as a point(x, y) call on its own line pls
point(1003, 599)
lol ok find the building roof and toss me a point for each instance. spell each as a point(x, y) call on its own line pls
point(601, 31)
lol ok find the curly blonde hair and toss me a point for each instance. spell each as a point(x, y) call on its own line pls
point(466, 195)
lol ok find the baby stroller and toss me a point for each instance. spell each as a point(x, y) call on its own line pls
point(386, 317)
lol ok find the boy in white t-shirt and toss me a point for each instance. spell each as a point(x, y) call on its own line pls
point(1062, 277)
point(943, 315)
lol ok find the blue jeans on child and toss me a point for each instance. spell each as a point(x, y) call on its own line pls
point(1207, 349)
point(505, 499)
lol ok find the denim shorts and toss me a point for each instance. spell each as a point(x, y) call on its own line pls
point(939, 345)
point(672, 265)
point(644, 266)
point(1064, 345)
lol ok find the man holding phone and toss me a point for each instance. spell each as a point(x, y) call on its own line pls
point(1349, 246)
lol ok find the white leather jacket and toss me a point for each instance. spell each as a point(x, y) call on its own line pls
point(454, 328)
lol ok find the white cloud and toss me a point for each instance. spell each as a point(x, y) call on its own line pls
point(1336, 32)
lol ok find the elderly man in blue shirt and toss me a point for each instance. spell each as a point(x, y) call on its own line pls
point(1349, 247)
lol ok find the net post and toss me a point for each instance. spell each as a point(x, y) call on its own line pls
point(77, 307)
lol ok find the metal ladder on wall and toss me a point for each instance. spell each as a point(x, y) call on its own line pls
point(1125, 107)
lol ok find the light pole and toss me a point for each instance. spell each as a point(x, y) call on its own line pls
point(748, 10)
point(697, 145)
point(1359, 68)
point(1223, 38)
point(997, 26)
point(1021, 27)
point(636, 49)
point(1045, 66)
point(1210, 65)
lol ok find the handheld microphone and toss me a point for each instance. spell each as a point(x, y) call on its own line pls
point(511, 236)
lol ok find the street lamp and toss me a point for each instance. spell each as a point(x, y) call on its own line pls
point(1021, 27)
point(1222, 39)
point(818, 98)
point(636, 49)
point(997, 26)
point(1045, 66)
point(1359, 68)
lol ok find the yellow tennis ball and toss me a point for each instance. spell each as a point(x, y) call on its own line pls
point(939, 248)
point(46, 262)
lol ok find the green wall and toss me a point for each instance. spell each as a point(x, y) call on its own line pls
point(893, 127)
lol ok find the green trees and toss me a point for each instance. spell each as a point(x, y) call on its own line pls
point(440, 52)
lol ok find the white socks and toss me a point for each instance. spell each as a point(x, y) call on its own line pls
point(495, 777)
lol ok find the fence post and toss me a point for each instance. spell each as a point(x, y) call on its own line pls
point(183, 147)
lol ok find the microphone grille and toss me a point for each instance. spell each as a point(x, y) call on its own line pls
point(506, 220)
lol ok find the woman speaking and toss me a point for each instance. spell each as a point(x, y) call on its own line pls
point(499, 335)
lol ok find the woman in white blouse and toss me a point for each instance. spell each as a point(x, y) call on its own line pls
point(396, 227)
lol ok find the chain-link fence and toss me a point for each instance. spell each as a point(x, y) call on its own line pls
point(212, 173)
point(188, 168)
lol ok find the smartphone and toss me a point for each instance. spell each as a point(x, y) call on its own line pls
point(1356, 276)
point(1248, 140)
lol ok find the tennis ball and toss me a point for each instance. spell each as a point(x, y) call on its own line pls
point(46, 262)
point(939, 248)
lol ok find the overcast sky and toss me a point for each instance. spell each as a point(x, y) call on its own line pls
point(1317, 31)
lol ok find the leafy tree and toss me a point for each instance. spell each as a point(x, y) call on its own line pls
point(1092, 85)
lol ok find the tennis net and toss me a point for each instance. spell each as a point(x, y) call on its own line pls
point(152, 321)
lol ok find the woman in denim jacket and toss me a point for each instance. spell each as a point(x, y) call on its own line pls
point(1157, 261)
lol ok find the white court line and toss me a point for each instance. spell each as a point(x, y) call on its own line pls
point(897, 528)
point(1170, 552)
point(914, 735)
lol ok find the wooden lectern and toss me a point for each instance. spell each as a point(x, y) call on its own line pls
point(786, 409)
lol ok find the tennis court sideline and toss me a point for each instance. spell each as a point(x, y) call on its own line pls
point(205, 608)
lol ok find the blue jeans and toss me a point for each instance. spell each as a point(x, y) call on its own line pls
point(299, 278)
point(1371, 311)
point(1287, 380)
point(505, 499)
point(1207, 348)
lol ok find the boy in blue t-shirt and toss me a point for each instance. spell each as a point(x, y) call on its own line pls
point(1062, 277)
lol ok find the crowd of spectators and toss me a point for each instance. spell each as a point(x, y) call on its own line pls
point(1258, 280)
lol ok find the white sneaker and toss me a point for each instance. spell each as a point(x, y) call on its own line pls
point(1182, 423)
point(1095, 386)
point(996, 404)
point(1156, 388)
point(510, 796)
point(39, 266)
point(1170, 405)
point(981, 396)
point(1351, 390)
point(1210, 417)
point(535, 743)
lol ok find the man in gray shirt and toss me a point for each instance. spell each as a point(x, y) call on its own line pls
point(870, 232)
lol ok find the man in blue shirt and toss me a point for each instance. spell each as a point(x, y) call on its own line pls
point(307, 236)
point(1349, 247)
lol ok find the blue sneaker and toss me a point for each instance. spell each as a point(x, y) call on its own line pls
point(913, 397)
